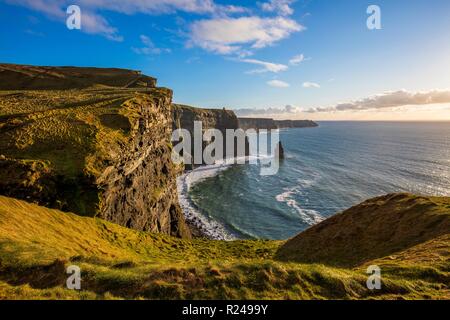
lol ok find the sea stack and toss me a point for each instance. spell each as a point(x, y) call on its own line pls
point(279, 151)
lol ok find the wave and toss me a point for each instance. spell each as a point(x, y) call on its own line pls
point(309, 216)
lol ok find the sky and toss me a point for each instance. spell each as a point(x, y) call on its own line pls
point(285, 59)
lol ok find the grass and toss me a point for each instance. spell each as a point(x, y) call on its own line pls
point(37, 244)
point(379, 227)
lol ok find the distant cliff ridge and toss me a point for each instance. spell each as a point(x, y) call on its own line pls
point(257, 123)
point(268, 123)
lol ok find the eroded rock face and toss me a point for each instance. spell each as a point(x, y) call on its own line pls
point(257, 123)
point(139, 188)
point(220, 119)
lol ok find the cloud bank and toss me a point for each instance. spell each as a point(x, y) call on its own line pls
point(390, 99)
point(382, 101)
point(220, 33)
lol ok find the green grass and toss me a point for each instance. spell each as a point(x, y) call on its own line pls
point(377, 228)
point(37, 244)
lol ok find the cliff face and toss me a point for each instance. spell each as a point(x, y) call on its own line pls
point(139, 185)
point(184, 117)
point(93, 152)
point(295, 124)
point(268, 124)
point(257, 123)
point(221, 119)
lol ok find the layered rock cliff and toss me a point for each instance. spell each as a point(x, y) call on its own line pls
point(295, 124)
point(257, 123)
point(95, 152)
point(269, 124)
point(221, 119)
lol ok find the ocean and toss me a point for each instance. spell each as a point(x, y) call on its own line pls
point(326, 170)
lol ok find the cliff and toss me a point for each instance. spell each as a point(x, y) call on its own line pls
point(269, 124)
point(257, 123)
point(94, 152)
point(221, 119)
point(295, 124)
point(377, 228)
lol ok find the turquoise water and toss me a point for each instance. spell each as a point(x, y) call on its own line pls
point(327, 169)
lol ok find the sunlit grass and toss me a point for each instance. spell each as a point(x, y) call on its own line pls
point(36, 244)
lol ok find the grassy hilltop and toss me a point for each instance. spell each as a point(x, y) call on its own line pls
point(37, 244)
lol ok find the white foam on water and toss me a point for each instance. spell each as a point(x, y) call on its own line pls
point(208, 226)
point(309, 216)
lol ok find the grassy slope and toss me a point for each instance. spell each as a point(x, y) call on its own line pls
point(374, 229)
point(36, 244)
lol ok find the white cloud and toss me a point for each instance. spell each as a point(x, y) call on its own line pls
point(232, 35)
point(278, 84)
point(149, 47)
point(282, 7)
point(391, 99)
point(91, 22)
point(298, 59)
point(269, 111)
point(310, 85)
point(94, 23)
point(266, 66)
point(152, 6)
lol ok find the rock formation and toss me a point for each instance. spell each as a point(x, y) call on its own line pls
point(221, 119)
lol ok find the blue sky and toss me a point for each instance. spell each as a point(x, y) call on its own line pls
point(311, 55)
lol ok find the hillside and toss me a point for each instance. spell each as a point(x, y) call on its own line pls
point(23, 77)
point(375, 229)
point(37, 244)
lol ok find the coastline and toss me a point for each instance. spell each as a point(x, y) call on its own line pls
point(201, 226)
